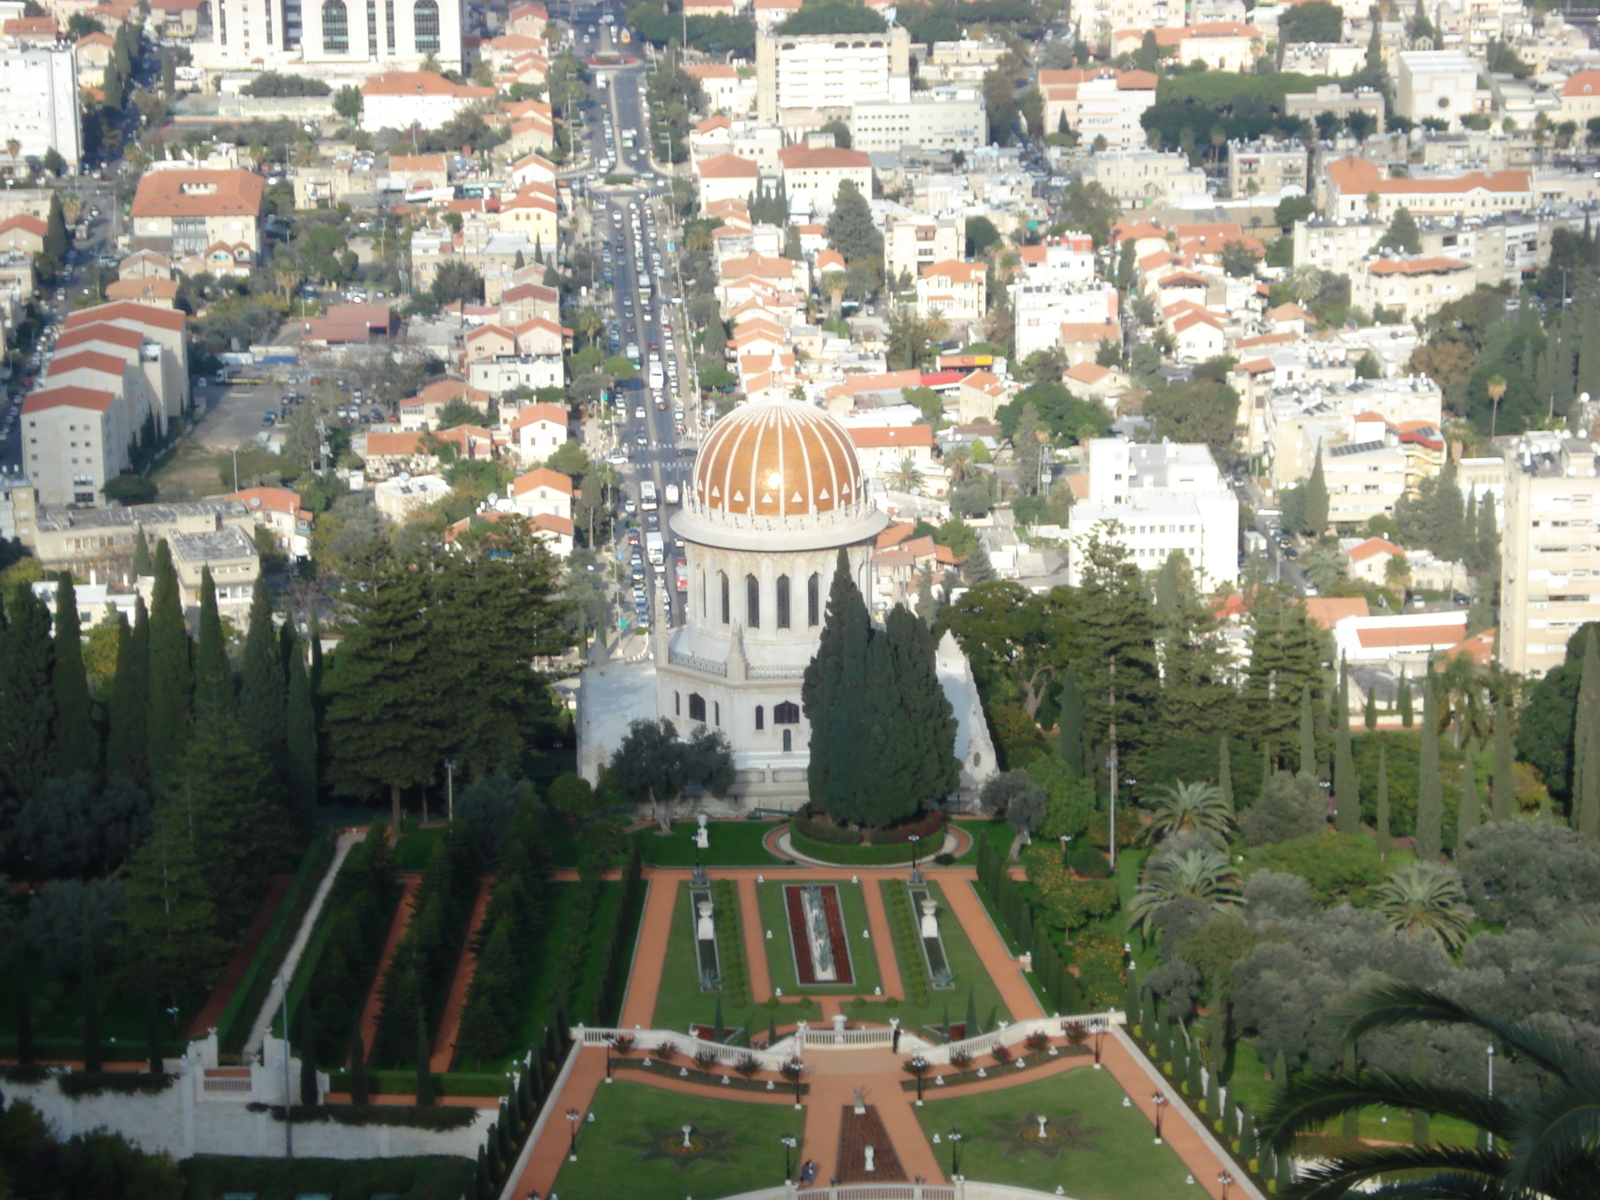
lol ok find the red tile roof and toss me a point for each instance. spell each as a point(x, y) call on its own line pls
point(70, 396)
point(173, 193)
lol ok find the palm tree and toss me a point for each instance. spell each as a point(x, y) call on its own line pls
point(1201, 874)
point(906, 477)
point(835, 284)
point(1579, 942)
point(1496, 387)
point(1189, 808)
point(1543, 1148)
point(1304, 282)
point(1427, 899)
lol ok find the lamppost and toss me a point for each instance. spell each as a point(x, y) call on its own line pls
point(919, 1067)
point(789, 1143)
point(1226, 1181)
point(1159, 1099)
point(1491, 1088)
point(450, 788)
point(288, 1122)
point(916, 875)
point(955, 1153)
point(1098, 1025)
point(572, 1120)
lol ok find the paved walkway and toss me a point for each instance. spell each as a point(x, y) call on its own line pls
point(444, 1044)
point(986, 940)
point(883, 938)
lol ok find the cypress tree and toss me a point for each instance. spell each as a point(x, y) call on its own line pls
point(127, 753)
point(1193, 1082)
point(1403, 700)
point(972, 1015)
point(89, 984)
point(1586, 744)
point(424, 1066)
point(22, 1004)
point(925, 747)
point(833, 695)
point(1316, 499)
point(141, 555)
point(1308, 736)
point(1503, 789)
point(75, 743)
point(1214, 1092)
point(1280, 1068)
point(27, 693)
point(213, 677)
point(1266, 767)
point(716, 1019)
point(1428, 841)
point(301, 757)
point(1282, 1173)
point(262, 685)
point(171, 677)
point(1248, 1147)
point(1069, 739)
point(1382, 838)
point(1225, 772)
point(308, 1054)
point(359, 1093)
point(1369, 715)
point(1346, 788)
point(152, 1024)
point(1471, 812)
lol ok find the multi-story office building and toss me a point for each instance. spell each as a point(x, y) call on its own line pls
point(361, 36)
point(39, 105)
point(1549, 552)
point(945, 118)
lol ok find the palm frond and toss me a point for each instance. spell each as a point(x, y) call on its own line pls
point(1559, 1130)
point(1396, 1004)
point(1307, 1103)
point(1463, 1173)
point(1579, 938)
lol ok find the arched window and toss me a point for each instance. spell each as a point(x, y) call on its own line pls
point(722, 578)
point(788, 741)
point(752, 602)
point(813, 599)
point(761, 714)
point(425, 26)
point(783, 602)
point(335, 27)
point(787, 713)
point(697, 707)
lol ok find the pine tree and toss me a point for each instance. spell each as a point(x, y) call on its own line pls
point(1382, 823)
point(171, 676)
point(1069, 735)
point(1403, 700)
point(1471, 812)
point(978, 569)
point(76, 747)
point(213, 677)
point(171, 915)
point(27, 693)
point(308, 1053)
point(1503, 788)
point(127, 751)
point(359, 1092)
point(1346, 789)
point(1316, 499)
point(1308, 736)
point(1225, 772)
point(1025, 450)
point(1430, 790)
point(262, 687)
point(301, 758)
point(927, 605)
point(141, 555)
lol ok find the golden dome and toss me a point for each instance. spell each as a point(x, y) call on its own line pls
point(776, 459)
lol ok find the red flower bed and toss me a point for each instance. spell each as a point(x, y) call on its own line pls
point(804, 967)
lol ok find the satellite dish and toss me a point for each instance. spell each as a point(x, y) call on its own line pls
point(405, 476)
point(492, 498)
point(255, 501)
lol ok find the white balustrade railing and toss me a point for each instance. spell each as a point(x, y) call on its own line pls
point(646, 1043)
point(1019, 1032)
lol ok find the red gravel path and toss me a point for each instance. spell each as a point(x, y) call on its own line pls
point(211, 1011)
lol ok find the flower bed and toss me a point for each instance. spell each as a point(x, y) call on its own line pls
point(805, 970)
point(1019, 1064)
point(733, 1083)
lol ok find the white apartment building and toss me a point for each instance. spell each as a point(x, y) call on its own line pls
point(1413, 287)
point(74, 439)
point(831, 72)
point(1098, 19)
point(911, 243)
point(1146, 178)
point(1097, 103)
point(957, 291)
point(1155, 499)
point(1039, 311)
point(1549, 553)
point(945, 118)
point(39, 102)
point(1266, 168)
point(344, 38)
point(1067, 261)
point(1438, 84)
point(1303, 416)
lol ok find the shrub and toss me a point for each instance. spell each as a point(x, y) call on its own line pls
point(907, 941)
point(78, 1084)
point(666, 1052)
point(960, 1058)
point(434, 1117)
point(730, 943)
point(1088, 862)
point(924, 827)
point(820, 828)
point(705, 1059)
point(1001, 1054)
point(748, 1065)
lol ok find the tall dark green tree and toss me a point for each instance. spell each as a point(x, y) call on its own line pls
point(1346, 790)
point(263, 702)
point(1316, 499)
point(1286, 654)
point(832, 695)
point(1429, 840)
point(1586, 743)
point(850, 229)
point(1069, 736)
point(213, 677)
point(27, 693)
point(76, 746)
point(1403, 701)
point(300, 760)
point(171, 675)
point(127, 749)
point(1115, 655)
point(915, 720)
point(1381, 824)
point(1402, 236)
point(142, 565)
point(1503, 787)
point(1225, 772)
point(1308, 736)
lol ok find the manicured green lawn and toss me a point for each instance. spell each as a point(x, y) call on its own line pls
point(780, 950)
point(967, 967)
point(623, 1152)
point(1116, 1160)
point(680, 1002)
point(733, 844)
point(998, 833)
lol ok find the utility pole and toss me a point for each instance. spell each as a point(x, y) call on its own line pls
point(288, 1122)
point(1113, 763)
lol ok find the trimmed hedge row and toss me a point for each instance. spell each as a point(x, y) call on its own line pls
point(923, 827)
point(617, 957)
point(807, 824)
point(233, 1027)
point(907, 941)
point(77, 1084)
point(854, 854)
point(440, 1120)
point(730, 943)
